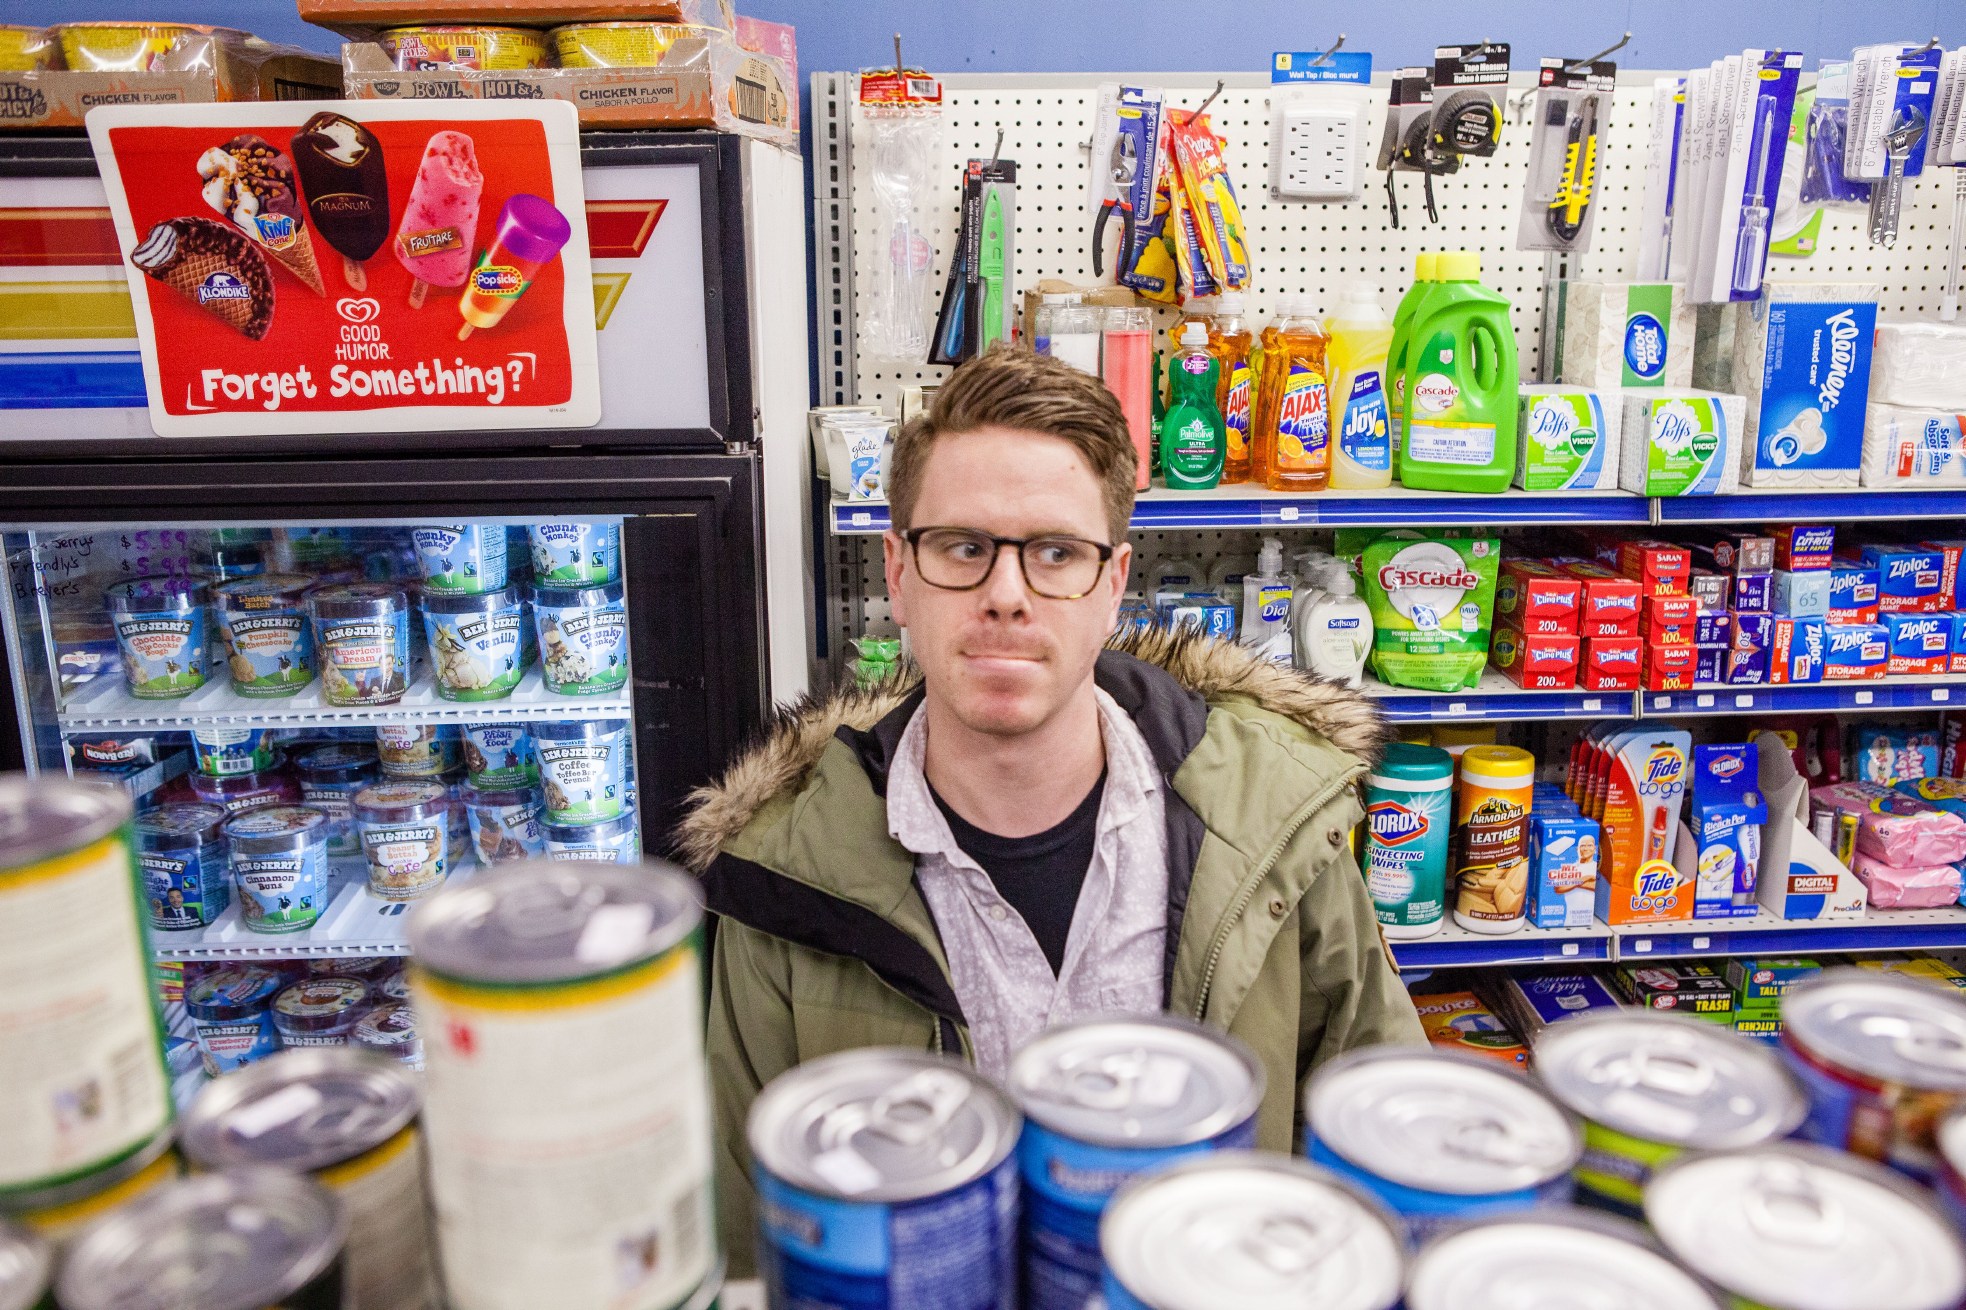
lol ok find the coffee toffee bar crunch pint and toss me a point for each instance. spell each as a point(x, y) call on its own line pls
point(1104, 1100)
point(1440, 1137)
point(1650, 1086)
point(85, 1083)
point(566, 1100)
point(257, 1239)
point(886, 1181)
point(1251, 1230)
point(348, 1119)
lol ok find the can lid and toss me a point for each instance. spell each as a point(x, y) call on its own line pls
point(539, 921)
point(1794, 1227)
point(1670, 1078)
point(1440, 1122)
point(358, 600)
point(1404, 764)
point(184, 820)
point(1141, 1082)
point(1252, 1230)
point(1881, 1025)
point(41, 818)
point(574, 596)
point(281, 821)
point(399, 798)
point(25, 1263)
point(1506, 765)
point(1557, 1257)
point(470, 602)
point(302, 1109)
point(881, 1125)
point(230, 1241)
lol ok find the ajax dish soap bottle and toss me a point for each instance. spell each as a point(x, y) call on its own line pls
point(1191, 436)
point(1234, 346)
point(1396, 350)
point(1461, 385)
point(1336, 636)
point(1266, 596)
point(1361, 335)
point(1293, 439)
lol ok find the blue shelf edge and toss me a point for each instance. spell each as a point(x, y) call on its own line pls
point(1456, 707)
point(1801, 504)
point(1807, 698)
point(1516, 948)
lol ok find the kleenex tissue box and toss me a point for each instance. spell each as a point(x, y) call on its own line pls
point(1802, 357)
point(1626, 334)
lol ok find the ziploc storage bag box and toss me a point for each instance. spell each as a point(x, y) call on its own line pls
point(1918, 643)
point(1563, 852)
point(1680, 443)
point(1855, 652)
point(1910, 579)
point(1802, 356)
point(1727, 817)
point(1625, 334)
point(1853, 593)
point(1567, 440)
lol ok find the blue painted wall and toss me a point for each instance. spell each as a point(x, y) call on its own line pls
point(1154, 35)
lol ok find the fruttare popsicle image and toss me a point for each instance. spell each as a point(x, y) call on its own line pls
point(531, 232)
point(439, 231)
point(341, 171)
point(252, 183)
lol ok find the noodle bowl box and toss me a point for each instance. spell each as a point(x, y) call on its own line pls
point(730, 83)
point(200, 68)
point(361, 18)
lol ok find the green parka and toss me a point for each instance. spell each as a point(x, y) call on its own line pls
point(826, 944)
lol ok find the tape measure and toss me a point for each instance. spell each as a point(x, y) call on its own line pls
point(1468, 122)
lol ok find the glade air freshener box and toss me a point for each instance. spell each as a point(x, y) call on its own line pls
point(1802, 356)
point(1644, 773)
point(1728, 814)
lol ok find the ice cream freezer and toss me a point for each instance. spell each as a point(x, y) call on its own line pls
point(454, 665)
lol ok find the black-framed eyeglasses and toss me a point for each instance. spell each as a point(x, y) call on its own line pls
point(960, 559)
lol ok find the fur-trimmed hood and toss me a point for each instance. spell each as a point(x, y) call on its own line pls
point(1212, 670)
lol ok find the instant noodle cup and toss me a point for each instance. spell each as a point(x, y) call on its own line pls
point(182, 858)
point(610, 841)
point(475, 643)
point(320, 1011)
point(621, 45)
point(583, 766)
point(231, 1011)
point(389, 1030)
point(498, 756)
point(583, 639)
point(225, 752)
point(265, 632)
point(461, 559)
point(280, 862)
point(405, 830)
point(416, 750)
point(329, 778)
point(505, 825)
point(575, 554)
point(25, 49)
point(241, 792)
point(160, 632)
point(126, 47)
point(450, 46)
point(362, 641)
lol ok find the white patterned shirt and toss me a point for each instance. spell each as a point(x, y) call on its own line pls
point(1114, 953)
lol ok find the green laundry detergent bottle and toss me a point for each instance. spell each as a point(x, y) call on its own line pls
point(1397, 348)
point(1460, 429)
point(1193, 438)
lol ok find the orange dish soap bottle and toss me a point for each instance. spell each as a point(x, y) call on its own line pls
point(1234, 346)
point(1293, 445)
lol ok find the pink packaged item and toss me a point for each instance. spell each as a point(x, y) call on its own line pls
point(1918, 888)
point(1899, 830)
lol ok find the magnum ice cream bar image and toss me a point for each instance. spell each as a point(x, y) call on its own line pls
point(251, 182)
point(347, 188)
point(214, 267)
point(439, 231)
point(530, 234)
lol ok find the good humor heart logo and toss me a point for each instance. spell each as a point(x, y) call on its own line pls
point(365, 310)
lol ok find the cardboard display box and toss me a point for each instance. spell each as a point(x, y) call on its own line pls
point(199, 69)
point(358, 19)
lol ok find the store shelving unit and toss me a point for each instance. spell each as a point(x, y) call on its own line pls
point(354, 924)
point(1454, 947)
point(1900, 693)
point(1497, 700)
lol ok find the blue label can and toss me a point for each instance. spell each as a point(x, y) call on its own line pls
point(1103, 1101)
point(1440, 1138)
point(886, 1181)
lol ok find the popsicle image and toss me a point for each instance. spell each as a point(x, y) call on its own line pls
point(347, 188)
point(214, 267)
point(531, 232)
point(439, 230)
point(252, 183)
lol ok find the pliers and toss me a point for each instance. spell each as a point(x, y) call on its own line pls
point(1124, 166)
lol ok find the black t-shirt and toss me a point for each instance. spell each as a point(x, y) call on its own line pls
point(1039, 875)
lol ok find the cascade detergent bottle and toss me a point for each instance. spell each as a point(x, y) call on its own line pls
point(1396, 349)
point(1361, 334)
point(1234, 347)
point(1293, 437)
point(1191, 437)
point(1461, 385)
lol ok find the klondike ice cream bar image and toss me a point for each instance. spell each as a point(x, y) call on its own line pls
point(252, 183)
point(214, 267)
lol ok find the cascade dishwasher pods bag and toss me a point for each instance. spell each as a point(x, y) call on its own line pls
point(1432, 598)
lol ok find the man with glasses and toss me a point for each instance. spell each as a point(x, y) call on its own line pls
point(1037, 828)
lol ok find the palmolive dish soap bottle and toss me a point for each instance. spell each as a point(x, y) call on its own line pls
point(1234, 348)
point(1191, 438)
point(1397, 348)
point(1293, 434)
point(1461, 385)
point(1361, 334)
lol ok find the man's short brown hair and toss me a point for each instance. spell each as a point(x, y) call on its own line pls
point(1014, 387)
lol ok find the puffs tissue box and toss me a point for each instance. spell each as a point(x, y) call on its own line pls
point(1802, 357)
point(1626, 334)
point(1910, 449)
point(1679, 443)
point(1922, 365)
point(1567, 440)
